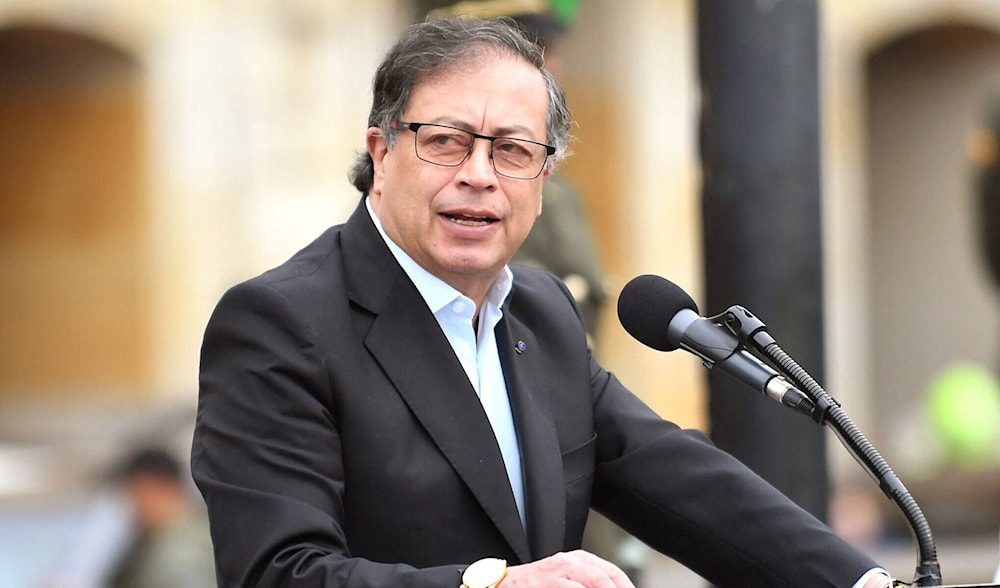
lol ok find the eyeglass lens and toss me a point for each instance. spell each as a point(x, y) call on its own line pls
point(514, 158)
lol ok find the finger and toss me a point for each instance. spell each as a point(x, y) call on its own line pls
point(607, 573)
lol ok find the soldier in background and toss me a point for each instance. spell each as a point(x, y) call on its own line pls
point(987, 158)
point(561, 241)
point(171, 547)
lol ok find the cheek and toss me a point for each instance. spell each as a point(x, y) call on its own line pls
point(389, 188)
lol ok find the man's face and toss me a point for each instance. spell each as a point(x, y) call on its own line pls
point(463, 223)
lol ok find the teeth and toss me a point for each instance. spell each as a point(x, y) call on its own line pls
point(471, 221)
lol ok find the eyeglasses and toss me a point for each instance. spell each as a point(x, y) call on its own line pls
point(519, 159)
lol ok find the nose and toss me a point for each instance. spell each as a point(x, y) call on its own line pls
point(477, 169)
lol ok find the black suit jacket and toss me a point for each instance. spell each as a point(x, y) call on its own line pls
point(339, 442)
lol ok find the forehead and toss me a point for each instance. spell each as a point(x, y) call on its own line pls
point(489, 90)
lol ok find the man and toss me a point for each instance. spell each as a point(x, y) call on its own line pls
point(171, 547)
point(394, 406)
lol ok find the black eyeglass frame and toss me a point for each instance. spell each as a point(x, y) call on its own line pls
point(413, 126)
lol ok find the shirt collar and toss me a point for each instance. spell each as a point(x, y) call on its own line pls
point(436, 292)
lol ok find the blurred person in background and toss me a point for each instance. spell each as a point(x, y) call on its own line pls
point(984, 150)
point(986, 154)
point(170, 546)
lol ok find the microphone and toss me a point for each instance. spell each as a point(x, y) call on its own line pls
point(661, 315)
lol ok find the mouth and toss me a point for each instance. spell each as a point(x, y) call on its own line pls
point(470, 220)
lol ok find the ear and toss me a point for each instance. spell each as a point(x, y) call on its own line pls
point(375, 142)
point(377, 149)
point(541, 198)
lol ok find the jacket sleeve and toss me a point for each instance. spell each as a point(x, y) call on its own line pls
point(676, 491)
point(267, 457)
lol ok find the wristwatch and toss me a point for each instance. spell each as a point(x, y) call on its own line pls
point(485, 573)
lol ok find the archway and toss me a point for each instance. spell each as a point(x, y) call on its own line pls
point(73, 219)
point(932, 303)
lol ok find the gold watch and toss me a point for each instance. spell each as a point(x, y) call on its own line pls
point(485, 573)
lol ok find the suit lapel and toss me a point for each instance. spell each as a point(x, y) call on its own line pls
point(409, 345)
point(540, 454)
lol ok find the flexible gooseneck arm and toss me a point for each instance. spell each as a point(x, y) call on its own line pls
point(754, 336)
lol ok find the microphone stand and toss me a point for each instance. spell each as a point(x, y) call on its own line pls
point(753, 334)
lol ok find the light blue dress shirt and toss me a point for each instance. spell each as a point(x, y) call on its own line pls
point(476, 349)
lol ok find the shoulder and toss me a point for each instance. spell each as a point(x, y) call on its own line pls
point(538, 286)
point(289, 294)
point(540, 296)
point(349, 260)
point(356, 236)
point(306, 262)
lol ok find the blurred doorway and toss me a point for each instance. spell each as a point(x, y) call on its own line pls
point(73, 219)
point(931, 302)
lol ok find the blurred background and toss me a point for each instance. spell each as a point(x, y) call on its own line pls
point(153, 154)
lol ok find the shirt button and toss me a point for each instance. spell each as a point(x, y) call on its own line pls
point(458, 306)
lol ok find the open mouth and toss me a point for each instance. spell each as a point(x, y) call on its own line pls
point(469, 220)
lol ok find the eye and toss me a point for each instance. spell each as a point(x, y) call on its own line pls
point(445, 139)
point(512, 148)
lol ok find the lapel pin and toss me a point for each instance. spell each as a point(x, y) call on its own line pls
point(520, 347)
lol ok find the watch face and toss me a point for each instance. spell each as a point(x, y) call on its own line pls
point(484, 573)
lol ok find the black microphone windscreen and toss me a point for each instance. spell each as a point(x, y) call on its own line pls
point(646, 306)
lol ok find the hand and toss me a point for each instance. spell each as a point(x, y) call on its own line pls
point(880, 581)
point(575, 569)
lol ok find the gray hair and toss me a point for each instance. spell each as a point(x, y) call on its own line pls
point(438, 46)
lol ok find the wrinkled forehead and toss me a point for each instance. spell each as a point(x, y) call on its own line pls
point(499, 89)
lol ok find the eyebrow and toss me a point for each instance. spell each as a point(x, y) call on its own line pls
point(511, 131)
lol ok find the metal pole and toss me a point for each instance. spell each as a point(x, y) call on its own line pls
point(758, 63)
